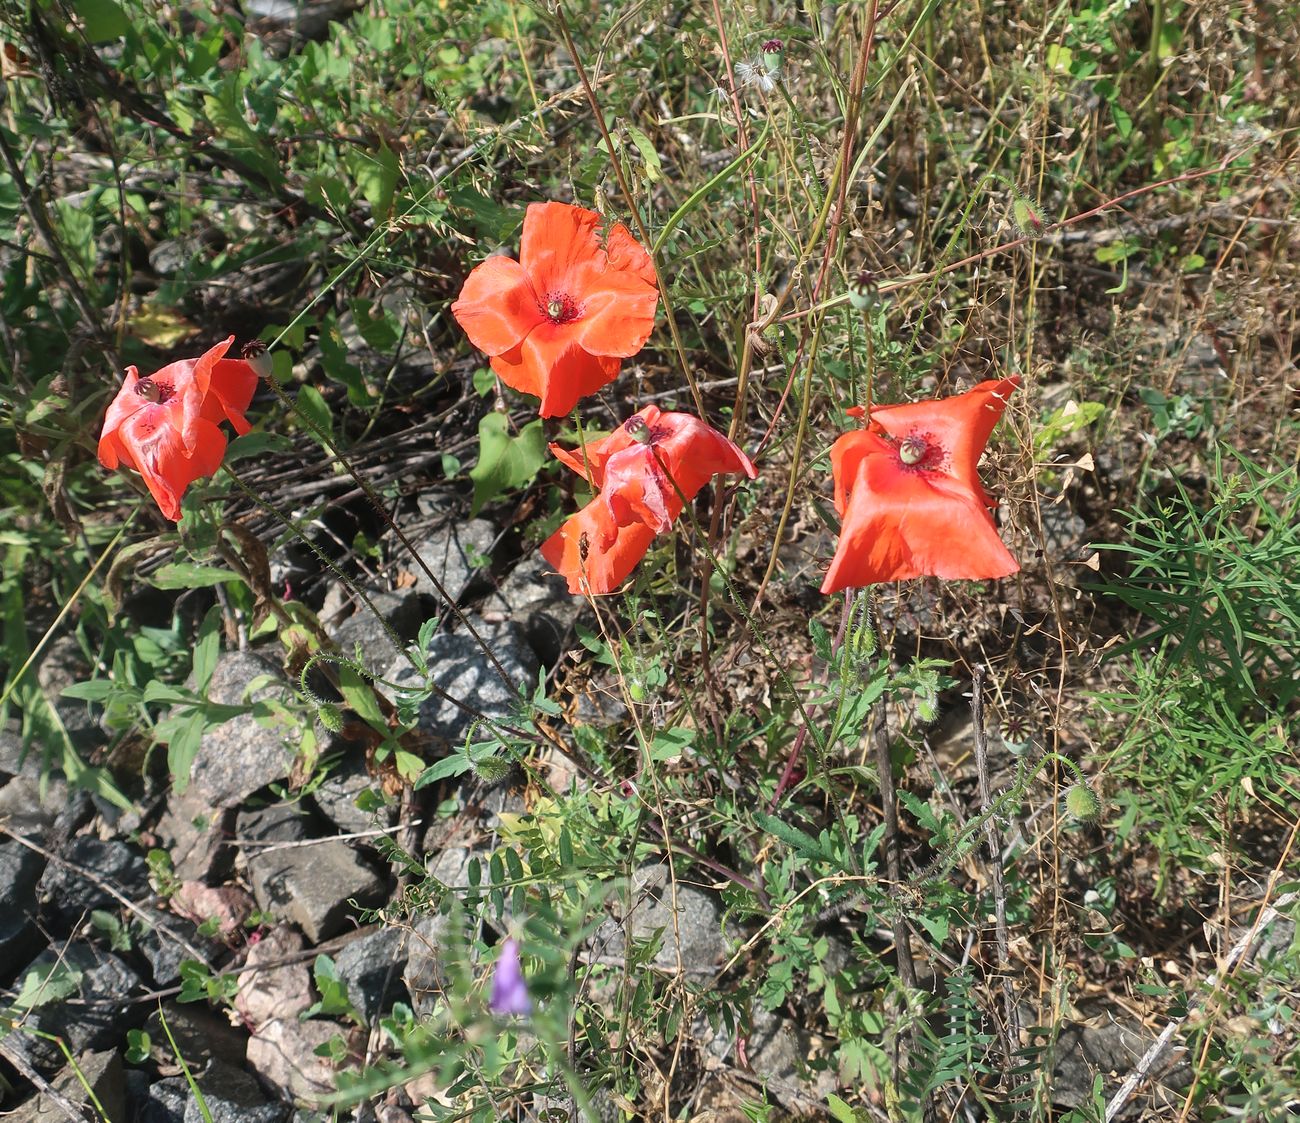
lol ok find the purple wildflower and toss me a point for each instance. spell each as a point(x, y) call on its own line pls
point(509, 992)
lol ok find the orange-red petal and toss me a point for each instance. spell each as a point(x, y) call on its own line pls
point(593, 553)
point(899, 523)
point(961, 425)
point(498, 305)
point(617, 313)
point(231, 389)
point(559, 239)
point(550, 364)
point(157, 451)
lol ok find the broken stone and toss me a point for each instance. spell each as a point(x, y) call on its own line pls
point(362, 630)
point(371, 968)
point(698, 928)
point(197, 837)
point(245, 754)
point(318, 887)
point(266, 992)
point(461, 669)
point(227, 905)
point(163, 1102)
point(336, 798)
point(538, 599)
point(201, 1036)
point(424, 974)
point(101, 1071)
point(232, 1096)
point(99, 982)
point(20, 872)
point(281, 1052)
point(453, 553)
point(72, 893)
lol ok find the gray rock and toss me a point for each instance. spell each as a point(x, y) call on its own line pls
point(15, 762)
point(71, 895)
point(453, 552)
point(161, 943)
point(461, 669)
point(699, 923)
point(538, 599)
point(362, 630)
point(1063, 530)
point(99, 980)
point(371, 968)
point(232, 1096)
point(1107, 1045)
point(201, 1035)
point(308, 885)
point(27, 810)
point(61, 666)
point(336, 798)
point(101, 1071)
point(275, 982)
point(283, 1054)
point(241, 755)
point(197, 837)
point(778, 1051)
point(424, 975)
point(164, 1102)
point(20, 871)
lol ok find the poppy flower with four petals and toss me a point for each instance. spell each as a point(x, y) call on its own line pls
point(909, 496)
point(165, 426)
point(558, 322)
point(635, 468)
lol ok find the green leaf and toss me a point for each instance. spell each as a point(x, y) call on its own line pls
point(207, 647)
point(1123, 120)
point(50, 983)
point(505, 462)
point(312, 406)
point(791, 836)
point(449, 766)
point(376, 177)
point(484, 381)
point(187, 575)
point(103, 20)
point(97, 690)
point(654, 169)
point(840, 1111)
point(183, 748)
point(257, 444)
point(669, 743)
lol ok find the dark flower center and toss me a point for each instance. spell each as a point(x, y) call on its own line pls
point(152, 391)
point(560, 308)
point(921, 452)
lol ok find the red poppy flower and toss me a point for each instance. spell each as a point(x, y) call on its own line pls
point(558, 322)
point(909, 497)
point(165, 426)
point(598, 547)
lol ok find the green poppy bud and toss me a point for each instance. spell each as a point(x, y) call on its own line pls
point(1083, 803)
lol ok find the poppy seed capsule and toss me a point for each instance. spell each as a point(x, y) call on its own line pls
point(773, 55)
point(912, 450)
point(148, 389)
point(862, 291)
point(256, 354)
